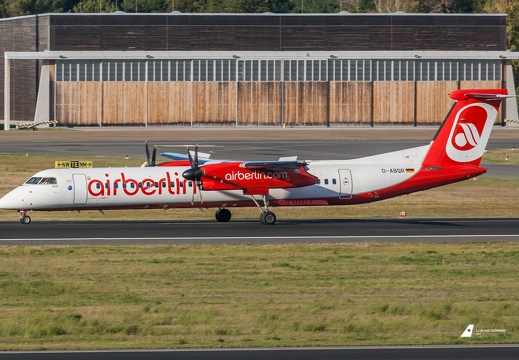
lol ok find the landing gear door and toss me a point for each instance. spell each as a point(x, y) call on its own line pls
point(345, 183)
point(80, 189)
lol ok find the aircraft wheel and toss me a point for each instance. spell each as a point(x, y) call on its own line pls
point(268, 218)
point(25, 219)
point(222, 215)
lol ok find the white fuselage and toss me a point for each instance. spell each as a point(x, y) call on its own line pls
point(164, 186)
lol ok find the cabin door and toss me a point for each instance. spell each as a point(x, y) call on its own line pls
point(345, 183)
point(80, 189)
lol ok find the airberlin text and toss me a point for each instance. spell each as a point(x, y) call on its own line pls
point(238, 175)
point(131, 187)
point(393, 171)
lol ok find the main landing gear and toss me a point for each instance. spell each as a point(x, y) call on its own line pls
point(267, 217)
point(222, 215)
point(24, 218)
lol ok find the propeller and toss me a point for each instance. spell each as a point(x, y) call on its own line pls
point(151, 159)
point(194, 173)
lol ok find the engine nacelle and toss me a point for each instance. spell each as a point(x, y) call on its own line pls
point(233, 176)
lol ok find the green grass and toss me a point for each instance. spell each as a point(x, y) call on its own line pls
point(256, 296)
point(503, 156)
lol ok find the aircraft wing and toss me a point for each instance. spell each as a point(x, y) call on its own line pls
point(282, 165)
point(202, 157)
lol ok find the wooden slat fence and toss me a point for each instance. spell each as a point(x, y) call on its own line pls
point(256, 103)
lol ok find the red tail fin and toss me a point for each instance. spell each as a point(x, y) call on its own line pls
point(463, 136)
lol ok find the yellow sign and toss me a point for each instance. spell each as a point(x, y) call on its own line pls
point(74, 164)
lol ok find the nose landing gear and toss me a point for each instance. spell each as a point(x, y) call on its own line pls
point(24, 218)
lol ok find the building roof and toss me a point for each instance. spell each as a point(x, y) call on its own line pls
point(259, 55)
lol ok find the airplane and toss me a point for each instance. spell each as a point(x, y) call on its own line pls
point(193, 180)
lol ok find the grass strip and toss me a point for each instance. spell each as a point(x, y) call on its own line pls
point(141, 297)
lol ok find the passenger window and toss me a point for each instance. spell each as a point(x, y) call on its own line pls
point(334, 181)
point(325, 181)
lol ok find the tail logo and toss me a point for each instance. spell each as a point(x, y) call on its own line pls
point(470, 132)
point(468, 138)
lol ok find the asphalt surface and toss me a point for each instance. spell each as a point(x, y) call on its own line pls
point(252, 232)
point(503, 352)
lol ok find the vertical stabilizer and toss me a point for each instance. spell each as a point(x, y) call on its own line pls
point(463, 136)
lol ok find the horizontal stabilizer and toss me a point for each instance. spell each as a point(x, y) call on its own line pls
point(489, 96)
point(480, 94)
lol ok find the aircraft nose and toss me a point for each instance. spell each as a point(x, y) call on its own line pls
point(4, 202)
point(10, 202)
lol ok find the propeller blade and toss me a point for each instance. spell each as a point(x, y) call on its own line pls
point(198, 184)
point(147, 152)
point(154, 156)
point(196, 156)
point(190, 158)
point(194, 174)
point(150, 159)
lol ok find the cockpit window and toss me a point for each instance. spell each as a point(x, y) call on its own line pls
point(48, 181)
point(41, 181)
point(33, 181)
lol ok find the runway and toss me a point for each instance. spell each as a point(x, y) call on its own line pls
point(475, 352)
point(251, 232)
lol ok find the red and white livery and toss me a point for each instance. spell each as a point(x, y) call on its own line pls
point(453, 155)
